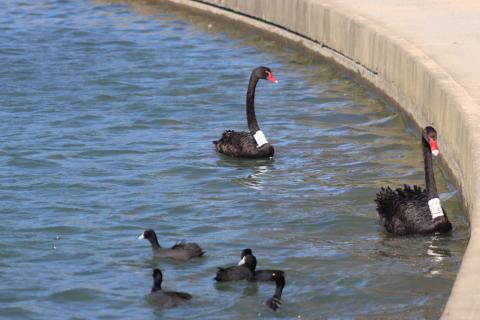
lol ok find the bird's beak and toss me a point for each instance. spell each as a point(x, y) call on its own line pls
point(434, 147)
point(141, 236)
point(242, 262)
point(272, 78)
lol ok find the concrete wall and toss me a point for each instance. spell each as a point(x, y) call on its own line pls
point(404, 73)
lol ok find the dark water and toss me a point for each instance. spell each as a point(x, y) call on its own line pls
point(108, 112)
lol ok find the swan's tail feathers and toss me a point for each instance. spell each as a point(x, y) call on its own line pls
point(225, 135)
point(408, 192)
point(385, 203)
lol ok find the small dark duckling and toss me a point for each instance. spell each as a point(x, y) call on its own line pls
point(180, 251)
point(244, 271)
point(165, 298)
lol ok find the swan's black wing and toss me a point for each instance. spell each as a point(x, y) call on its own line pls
point(406, 211)
point(234, 273)
point(242, 145)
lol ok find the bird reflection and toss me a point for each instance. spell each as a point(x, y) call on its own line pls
point(437, 254)
point(254, 179)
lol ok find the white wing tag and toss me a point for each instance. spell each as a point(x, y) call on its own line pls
point(260, 138)
point(435, 208)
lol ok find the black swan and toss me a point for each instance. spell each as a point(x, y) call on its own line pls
point(412, 210)
point(246, 271)
point(165, 298)
point(251, 144)
point(180, 251)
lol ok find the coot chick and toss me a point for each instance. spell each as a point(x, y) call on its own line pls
point(165, 298)
point(180, 251)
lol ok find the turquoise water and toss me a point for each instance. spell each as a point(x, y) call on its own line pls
point(108, 112)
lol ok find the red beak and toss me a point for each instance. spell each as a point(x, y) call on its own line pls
point(272, 78)
point(433, 147)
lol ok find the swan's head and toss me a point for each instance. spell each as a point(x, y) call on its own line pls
point(265, 73)
point(430, 135)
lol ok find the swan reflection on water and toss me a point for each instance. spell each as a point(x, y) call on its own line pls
point(438, 253)
point(254, 179)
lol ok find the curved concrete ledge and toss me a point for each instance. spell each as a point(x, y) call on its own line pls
point(402, 71)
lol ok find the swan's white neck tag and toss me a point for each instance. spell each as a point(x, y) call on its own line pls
point(435, 208)
point(260, 138)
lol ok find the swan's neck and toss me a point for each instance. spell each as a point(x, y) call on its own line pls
point(429, 176)
point(251, 118)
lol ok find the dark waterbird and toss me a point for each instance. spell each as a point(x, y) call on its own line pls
point(278, 276)
point(246, 270)
point(165, 298)
point(412, 210)
point(260, 275)
point(276, 300)
point(180, 251)
point(252, 144)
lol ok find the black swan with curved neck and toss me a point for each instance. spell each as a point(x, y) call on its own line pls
point(412, 210)
point(251, 144)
